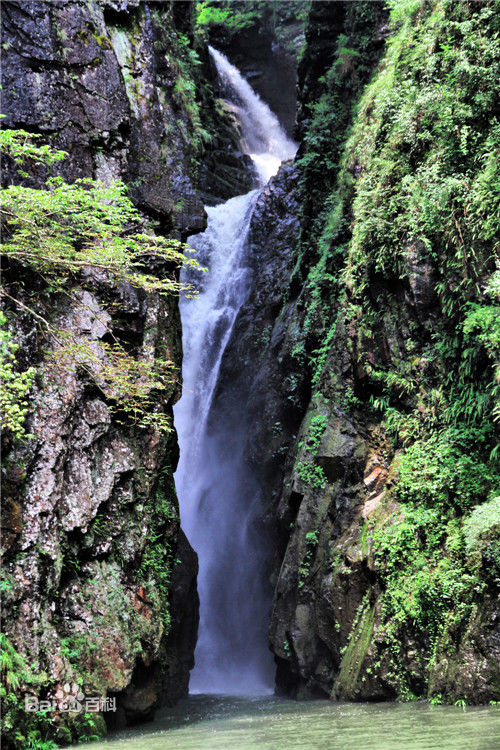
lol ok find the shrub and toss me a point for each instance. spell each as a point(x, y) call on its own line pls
point(60, 233)
point(446, 471)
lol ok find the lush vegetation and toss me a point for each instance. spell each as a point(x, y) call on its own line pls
point(411, 189)
point(14, 404)
point(34, 729)
point(61, 235)
point(60, 243)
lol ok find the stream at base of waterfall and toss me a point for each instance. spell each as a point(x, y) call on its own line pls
point(218, 496)
point(208, 722)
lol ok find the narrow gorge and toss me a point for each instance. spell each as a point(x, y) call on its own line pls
point(220, 499)
point(250, 350)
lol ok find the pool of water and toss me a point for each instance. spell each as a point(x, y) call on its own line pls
point(203, 722)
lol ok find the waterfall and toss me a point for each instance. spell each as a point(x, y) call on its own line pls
point(263, 137)
point(218, 496)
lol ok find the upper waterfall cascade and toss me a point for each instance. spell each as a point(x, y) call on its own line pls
point(263, 137)
point(219, 497)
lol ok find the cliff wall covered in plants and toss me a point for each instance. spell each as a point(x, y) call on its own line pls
point(374, 436)
point(99, 584)
point(388, 586)
point(364, 360)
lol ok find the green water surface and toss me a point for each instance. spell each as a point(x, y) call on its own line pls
point(203, 722)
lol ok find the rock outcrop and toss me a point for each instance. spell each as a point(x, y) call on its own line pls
point(100, 80)
point(367, 602)
point(360, 612)
point(99, 583)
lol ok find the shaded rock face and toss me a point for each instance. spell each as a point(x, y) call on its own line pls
point(325, 23)
point(97, 79)
point(101, 583)
point(327, 471)
point(271, 70)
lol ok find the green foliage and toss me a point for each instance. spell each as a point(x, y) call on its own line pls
point(14, 405)
point(307, 470)
point(483, 321)
point(62, 233)
point(446, 471)
point(312, 475)
point(427, 174)
point(317, 427)
point(328, 104)
point(430, 582)
point(425, 590)
point(130, 385)
point(19, 727)
point(481, 328)
point(19, 145)
point(64, 229)
point(156, 571)
point(311, 540)
point(221, 14)
point(424, 137)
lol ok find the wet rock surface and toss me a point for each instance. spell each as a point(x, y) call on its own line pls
point(256, 365)
point(101, 586)
point(327, 471)
point(100, 85)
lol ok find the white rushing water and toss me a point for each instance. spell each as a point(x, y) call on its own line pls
point(263, 137)
point(218, 496)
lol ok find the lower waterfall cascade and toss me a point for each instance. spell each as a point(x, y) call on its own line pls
point(218, 496)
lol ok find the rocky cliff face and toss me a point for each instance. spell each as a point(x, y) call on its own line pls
point(102, 80)
point(383, 589)
point(363, 607)
point(99, 582)
point(225, 171)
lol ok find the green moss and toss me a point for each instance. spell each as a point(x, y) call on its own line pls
point(359, 642)
point(411, 193)
point(158, 556)
point(102, 40)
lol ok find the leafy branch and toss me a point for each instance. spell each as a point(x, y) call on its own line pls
point(66, 233)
